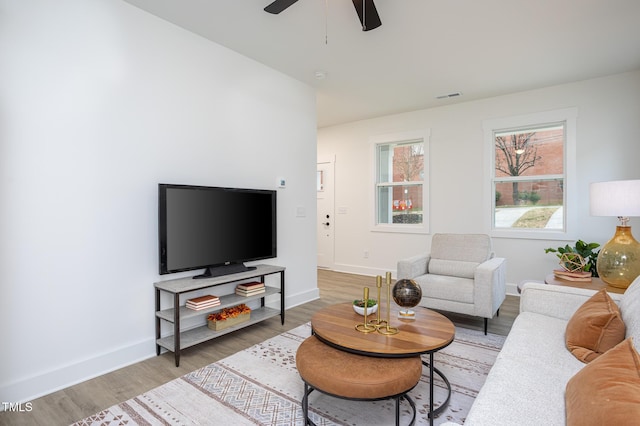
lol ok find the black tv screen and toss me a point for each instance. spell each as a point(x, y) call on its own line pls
point(214, 228)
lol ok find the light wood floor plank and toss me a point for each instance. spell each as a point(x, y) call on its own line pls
point(82, 400)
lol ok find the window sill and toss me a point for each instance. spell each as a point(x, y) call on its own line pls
point(401, 229)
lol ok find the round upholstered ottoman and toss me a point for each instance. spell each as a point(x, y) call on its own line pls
point(349, 376)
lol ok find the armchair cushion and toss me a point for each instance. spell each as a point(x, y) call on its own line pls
point(446, 288)
point(461, 247)
point(453, 268)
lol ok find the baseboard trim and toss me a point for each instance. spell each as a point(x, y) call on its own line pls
point(37, 385)
point(512, 289)
point(30, 388)
point(302, 298)
point(361, 270)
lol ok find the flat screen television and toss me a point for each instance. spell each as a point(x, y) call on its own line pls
point(214, 228)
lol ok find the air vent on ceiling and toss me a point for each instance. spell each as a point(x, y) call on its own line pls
point(449, 95)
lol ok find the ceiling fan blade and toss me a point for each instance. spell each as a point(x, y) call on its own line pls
point(368, 14)
point(278, 6)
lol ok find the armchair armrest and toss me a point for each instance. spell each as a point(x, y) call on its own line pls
point(413, 266)
point(490, 286)
point(554, 300)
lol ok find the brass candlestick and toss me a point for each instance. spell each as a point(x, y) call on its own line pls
point(388, 330)
point(378, 322)
point(364, 327)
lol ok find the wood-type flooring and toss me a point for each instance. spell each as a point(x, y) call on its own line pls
point(84, 399)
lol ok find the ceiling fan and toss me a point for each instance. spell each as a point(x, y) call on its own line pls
point(367, 11)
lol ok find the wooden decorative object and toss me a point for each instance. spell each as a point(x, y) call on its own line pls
point(572, 262)
point(229, 322)
point(228, 317)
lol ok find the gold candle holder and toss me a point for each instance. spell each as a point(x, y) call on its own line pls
point(364, 327)
point(378, 322)
point(388, 330)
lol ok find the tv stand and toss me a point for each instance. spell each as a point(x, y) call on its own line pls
point(182, 339)
point(228, 269)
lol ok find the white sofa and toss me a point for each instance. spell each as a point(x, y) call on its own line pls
point(460, 274)
point(526, 385)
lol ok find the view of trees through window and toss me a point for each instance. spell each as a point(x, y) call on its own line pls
point(400, 182)
point(529, 177)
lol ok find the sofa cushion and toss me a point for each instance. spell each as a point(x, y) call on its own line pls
point(607, 391)
point(453, 268)
point(595, 327)
point(526, 385)
point(464, 247)
point(630, 310)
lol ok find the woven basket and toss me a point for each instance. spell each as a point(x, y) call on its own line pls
point(229, 322)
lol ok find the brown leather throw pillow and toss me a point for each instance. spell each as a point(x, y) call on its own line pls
point(594, 328)
point(607, 390)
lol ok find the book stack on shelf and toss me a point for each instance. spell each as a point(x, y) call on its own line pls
point(250, 289)
point(203, 302)
point(583, 276)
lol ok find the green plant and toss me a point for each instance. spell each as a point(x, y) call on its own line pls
point(532, 196)
point(360, 303)
point(586, 250)
point(498, 196)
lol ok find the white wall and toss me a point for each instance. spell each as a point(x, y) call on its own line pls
point(100, 103)
point(608, 148)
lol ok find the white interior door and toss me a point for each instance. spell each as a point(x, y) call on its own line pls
point(326, 219)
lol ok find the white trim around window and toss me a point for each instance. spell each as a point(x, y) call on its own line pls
point(408, 136)
point(568, 116)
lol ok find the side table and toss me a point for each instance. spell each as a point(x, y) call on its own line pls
point(595, 284)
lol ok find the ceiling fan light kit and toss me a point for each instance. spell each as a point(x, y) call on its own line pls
point(366, 10)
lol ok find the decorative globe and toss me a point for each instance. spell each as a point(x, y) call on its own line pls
point(407, 294)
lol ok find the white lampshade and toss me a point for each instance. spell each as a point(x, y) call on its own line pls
point(615, 198)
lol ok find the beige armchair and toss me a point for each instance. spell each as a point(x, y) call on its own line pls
point(459, 275)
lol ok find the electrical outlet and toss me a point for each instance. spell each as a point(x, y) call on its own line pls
point(366, 254)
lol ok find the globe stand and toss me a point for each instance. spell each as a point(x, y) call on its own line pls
point(407, 314)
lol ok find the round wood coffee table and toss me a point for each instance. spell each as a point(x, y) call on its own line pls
point(427, 334)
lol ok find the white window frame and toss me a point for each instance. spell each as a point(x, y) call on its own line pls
point(568, 117)
point(394, 138)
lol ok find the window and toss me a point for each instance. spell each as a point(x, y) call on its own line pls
point(401, 170)
point(532, 162)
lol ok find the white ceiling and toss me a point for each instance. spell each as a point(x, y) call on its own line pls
point(424, 48)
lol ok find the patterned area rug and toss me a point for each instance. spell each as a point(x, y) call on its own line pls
point(261, 386)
